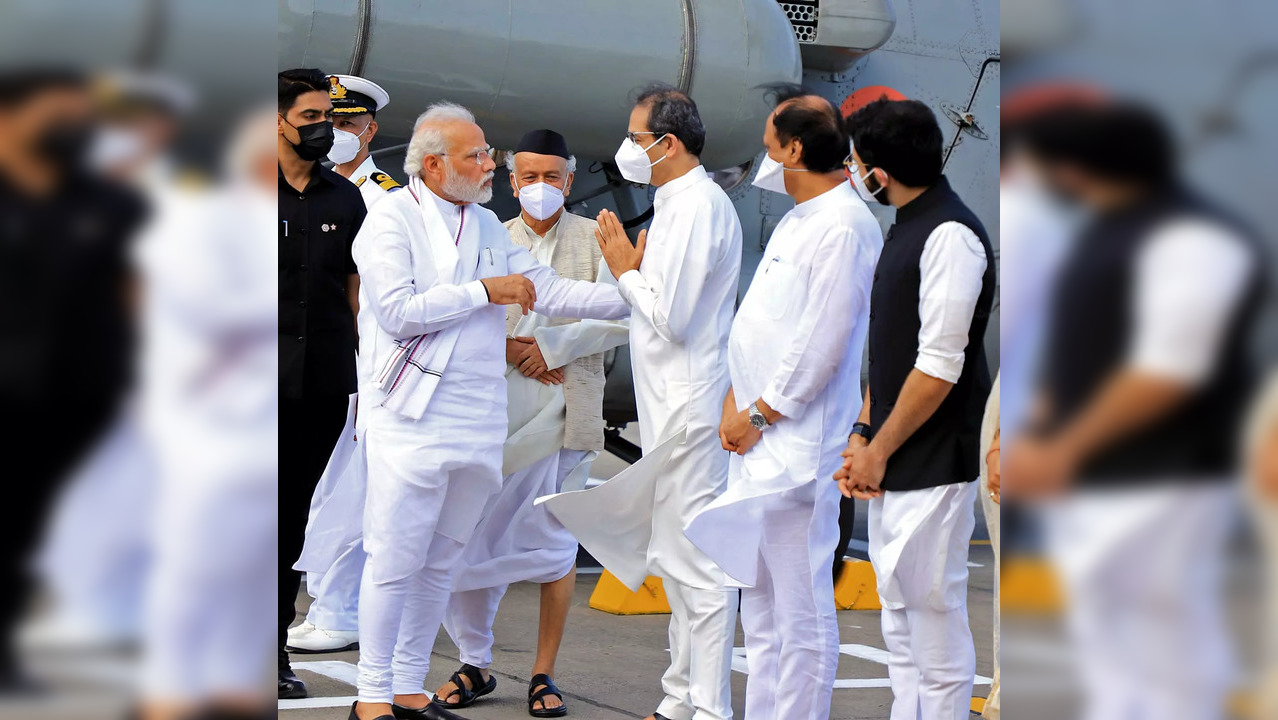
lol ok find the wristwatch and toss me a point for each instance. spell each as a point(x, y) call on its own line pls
point(756, 418)
point(862, 429)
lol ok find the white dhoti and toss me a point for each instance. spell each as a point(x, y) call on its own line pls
point(1142, 569)
point(516, 541)
point(919, 547)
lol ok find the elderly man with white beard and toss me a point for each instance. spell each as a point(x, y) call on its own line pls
point(555, 385)
point(437, 270)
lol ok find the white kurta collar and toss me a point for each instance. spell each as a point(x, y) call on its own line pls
point(448, 210)
point(681, 183)
point(543, 246)
point(835, 195)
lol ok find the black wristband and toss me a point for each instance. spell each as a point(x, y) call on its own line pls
point(486, 293)
point(862, 429)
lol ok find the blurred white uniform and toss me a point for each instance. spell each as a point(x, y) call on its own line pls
point(434, 448)
point(209, 405)
point(797, 342)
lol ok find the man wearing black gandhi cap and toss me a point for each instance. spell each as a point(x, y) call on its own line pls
point(555, 383)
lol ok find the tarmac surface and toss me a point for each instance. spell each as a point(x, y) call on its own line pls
point(610, 666)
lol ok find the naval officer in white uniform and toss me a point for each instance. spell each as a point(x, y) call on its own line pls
point(356, 102)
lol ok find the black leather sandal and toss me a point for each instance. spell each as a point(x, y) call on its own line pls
point(467, 696)
point(547, 688)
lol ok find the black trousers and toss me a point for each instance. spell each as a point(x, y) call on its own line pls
point(309, 430)
point(847, 519)
point(39, 449)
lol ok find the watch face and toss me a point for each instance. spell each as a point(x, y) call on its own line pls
point(758, 421)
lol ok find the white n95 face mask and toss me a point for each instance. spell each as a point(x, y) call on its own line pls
point(633, 162)
point(541, 200)
point(858, 181)
point(345, 147)
point(771, 175)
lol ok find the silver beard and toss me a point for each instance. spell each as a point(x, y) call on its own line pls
point(459, 188)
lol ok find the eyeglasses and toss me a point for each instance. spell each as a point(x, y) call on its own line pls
point(634, 137)
point(478, 155)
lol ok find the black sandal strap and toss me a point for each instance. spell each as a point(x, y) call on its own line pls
point(549, 689)
point(472, 673)
point(461, 690)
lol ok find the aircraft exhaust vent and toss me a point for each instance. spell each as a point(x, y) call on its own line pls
point(803, 18)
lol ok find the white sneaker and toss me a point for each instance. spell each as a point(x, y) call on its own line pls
point(306, 628)
point(319, 640)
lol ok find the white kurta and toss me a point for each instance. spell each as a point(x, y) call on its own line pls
point(796, 343)
point(429, 478)
point(681, 300)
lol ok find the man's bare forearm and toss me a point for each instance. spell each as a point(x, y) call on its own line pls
point(1128, 402)
point(920, 396)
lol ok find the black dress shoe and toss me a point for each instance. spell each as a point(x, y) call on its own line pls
point(433, 711)
point(355, 716)
point(291, 686)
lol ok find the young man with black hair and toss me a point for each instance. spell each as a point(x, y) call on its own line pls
point(681, 290)
point(319, 214)
point(794, 356)
point(1138, 411)
point(914, 452)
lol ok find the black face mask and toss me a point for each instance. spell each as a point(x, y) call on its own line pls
point(314, 140)
point(64, 145)
point(874, 186)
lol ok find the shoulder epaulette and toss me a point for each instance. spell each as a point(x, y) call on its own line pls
point(384, 181)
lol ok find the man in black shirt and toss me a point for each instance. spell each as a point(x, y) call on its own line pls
point(319, 214)
point(65, 340)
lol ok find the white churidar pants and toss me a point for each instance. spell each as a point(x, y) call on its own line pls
point(919, 548)
point(702, 624)
point(791, 630)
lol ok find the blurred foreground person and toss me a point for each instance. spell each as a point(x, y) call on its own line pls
point(1134, 424)
point(438, 270)
point(63, 240)
point(914, 454)
point(141, 116)
point(209, 410)
point(1260, 461)
point(95, 555)
point(991, 486)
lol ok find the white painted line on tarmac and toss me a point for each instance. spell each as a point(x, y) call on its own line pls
point(339, 670)
point(316, 702)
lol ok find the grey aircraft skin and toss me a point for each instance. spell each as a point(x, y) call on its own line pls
point(572, 65)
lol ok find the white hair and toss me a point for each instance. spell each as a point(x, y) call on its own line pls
point(428, 138)
point(510, 162)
